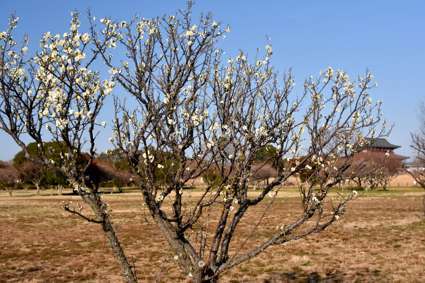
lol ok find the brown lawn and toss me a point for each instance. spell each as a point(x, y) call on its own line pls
point(380, 239)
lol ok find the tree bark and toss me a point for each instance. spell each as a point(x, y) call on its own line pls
point(127, 270)
point(60, 188)
point(359, 183)
point(202, 277)
point(37, 186)
point(423, 204)
point(98, 207)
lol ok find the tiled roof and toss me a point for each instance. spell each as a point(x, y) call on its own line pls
point(380, 143)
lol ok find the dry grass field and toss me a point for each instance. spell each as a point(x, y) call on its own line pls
point(380, 239)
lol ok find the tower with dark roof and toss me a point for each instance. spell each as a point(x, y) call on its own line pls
point(381, 145)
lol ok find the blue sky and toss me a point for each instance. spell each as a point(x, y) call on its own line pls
point(384, 36)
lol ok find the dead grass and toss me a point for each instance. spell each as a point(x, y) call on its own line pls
point(381, 239)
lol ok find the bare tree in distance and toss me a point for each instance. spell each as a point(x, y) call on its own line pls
point(182, 97)
point(418, 145)
point(372, 170)
point(31, 173)
point(261, 171)
point(210, 111)
point(8, 176)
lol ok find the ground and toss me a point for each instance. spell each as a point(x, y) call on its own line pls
point(380, 239)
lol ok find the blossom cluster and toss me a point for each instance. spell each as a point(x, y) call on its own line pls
point(72, 88)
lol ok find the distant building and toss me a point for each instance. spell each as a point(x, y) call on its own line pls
point(376, 164)
point(381, 145)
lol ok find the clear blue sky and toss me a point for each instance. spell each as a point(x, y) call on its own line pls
point(385, 36)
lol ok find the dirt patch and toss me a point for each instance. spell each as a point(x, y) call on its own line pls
point(380, 239)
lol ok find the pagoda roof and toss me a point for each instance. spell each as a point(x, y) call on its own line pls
point(380, 143)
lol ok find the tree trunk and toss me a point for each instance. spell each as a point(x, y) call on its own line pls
point(423, 204)
point(37, 186)
point(60, 188)
point(201, 276)
point(127, 270)
point(359, 183)
point(385, 185)
point(99, 208)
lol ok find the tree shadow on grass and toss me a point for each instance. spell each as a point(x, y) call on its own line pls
point(301, 276)
point(330, 277)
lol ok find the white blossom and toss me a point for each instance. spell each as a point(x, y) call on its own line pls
point(85, 38)
point(269, 50)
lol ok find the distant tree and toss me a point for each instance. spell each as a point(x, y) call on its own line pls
point(54, 151)
point(32, 170)
point(111, 175)
point(418, 145)
point(267, 153)
point(374, 170)
point(212, 177)
point(8, 176)
point(261, 171)
point(31, 173)
point(266, 164)
point(312, 173)
point(116, 158)
point(119, 161)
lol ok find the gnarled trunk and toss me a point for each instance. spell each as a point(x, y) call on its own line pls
point(37, 186)
point(423, 204)
point(102, 217)
point(204, 276)
point(127, 270)
point(60, 189)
